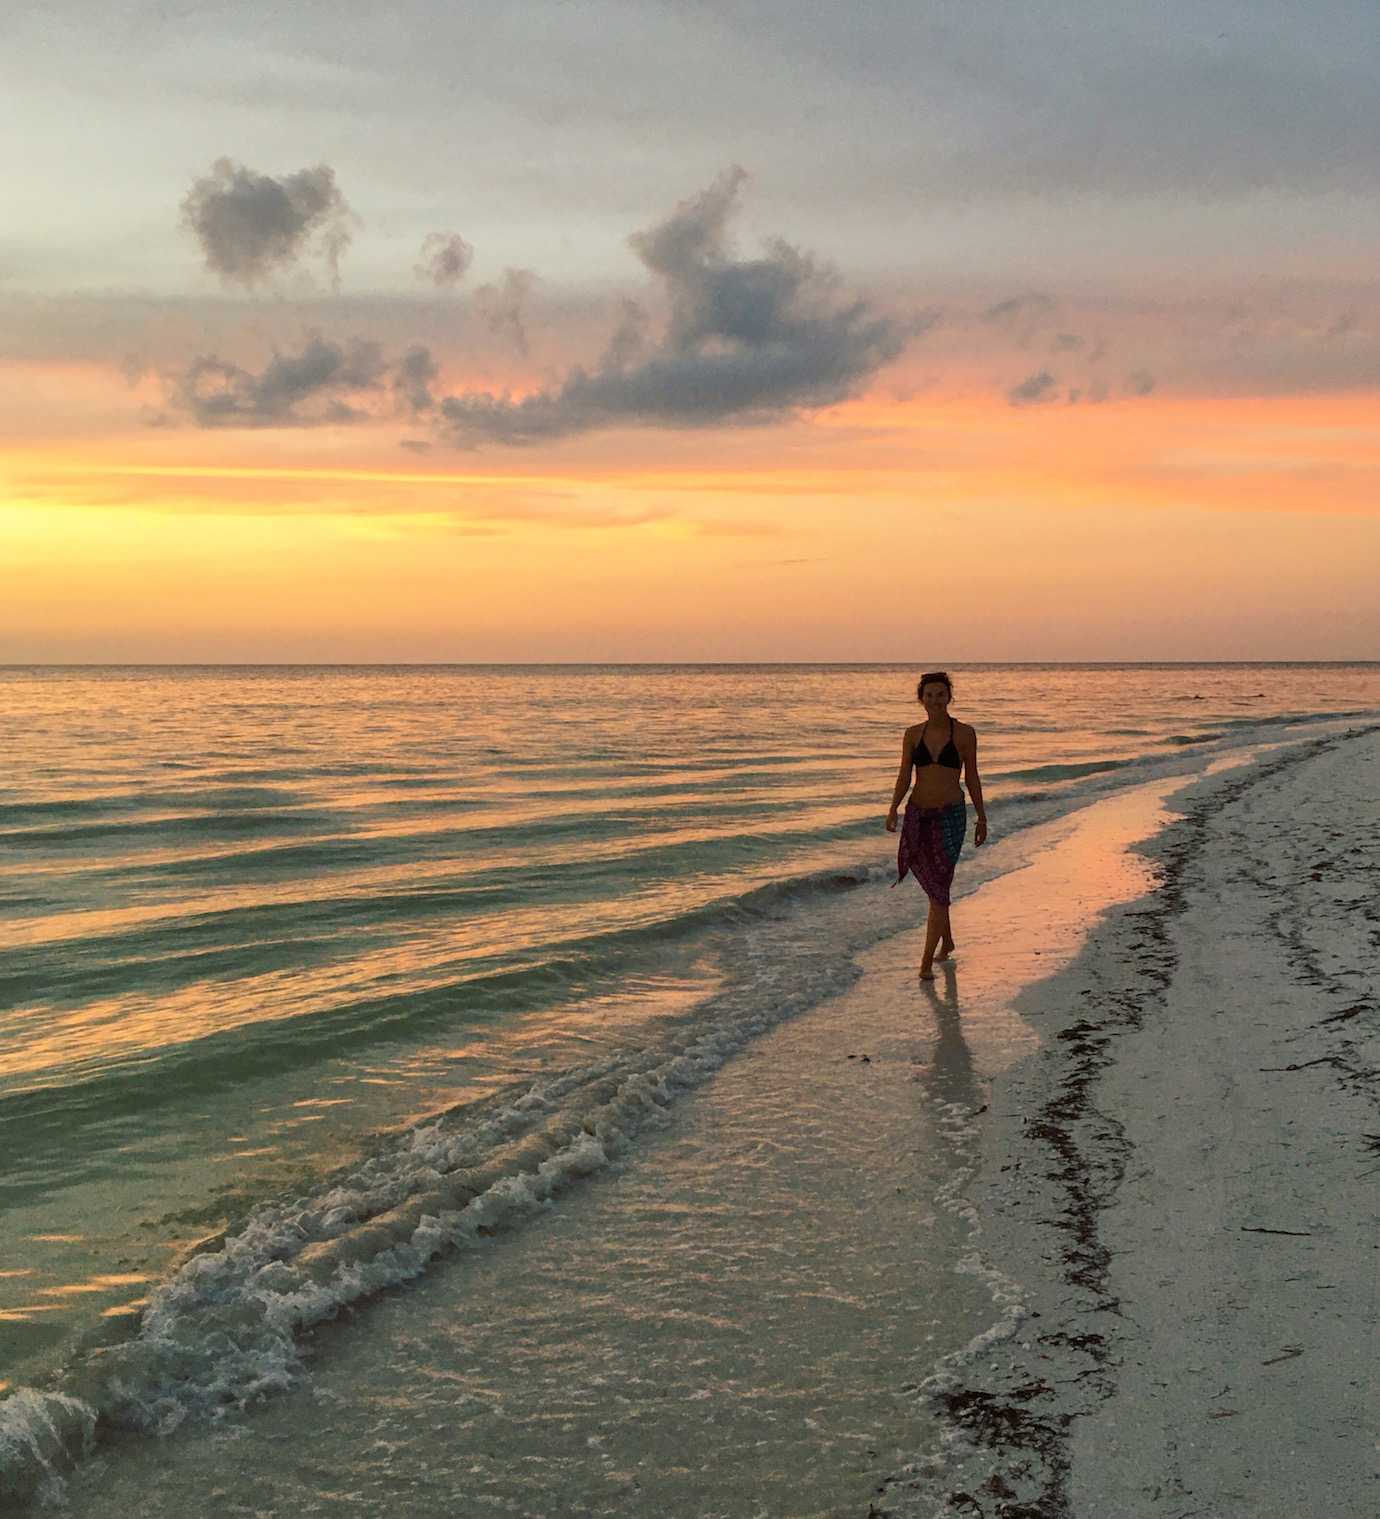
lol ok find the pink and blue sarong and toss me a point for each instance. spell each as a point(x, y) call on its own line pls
point(931, 842)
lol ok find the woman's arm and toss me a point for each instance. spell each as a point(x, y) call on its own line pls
point(968, 754)
point(902, 779)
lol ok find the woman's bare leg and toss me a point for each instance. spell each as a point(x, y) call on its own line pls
point(946, 937)
point(934, 928)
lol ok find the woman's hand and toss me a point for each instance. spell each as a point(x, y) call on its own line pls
point(891, 821)
point(980, 832)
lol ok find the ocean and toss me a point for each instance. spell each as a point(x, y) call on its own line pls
point(321, 985)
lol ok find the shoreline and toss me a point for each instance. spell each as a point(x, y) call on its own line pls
point(1083, 1411)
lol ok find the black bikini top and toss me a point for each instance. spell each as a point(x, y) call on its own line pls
point(948, 755)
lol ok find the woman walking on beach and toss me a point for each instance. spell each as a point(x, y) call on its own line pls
point(936, 814)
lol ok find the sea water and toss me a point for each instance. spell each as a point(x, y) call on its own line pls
point(288, 952)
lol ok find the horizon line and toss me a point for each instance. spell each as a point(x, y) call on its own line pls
point(535, 664)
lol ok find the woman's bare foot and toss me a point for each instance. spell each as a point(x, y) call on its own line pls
point(946, 948)
point(926, 974)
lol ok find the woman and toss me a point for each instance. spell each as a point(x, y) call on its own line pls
point(936, 815)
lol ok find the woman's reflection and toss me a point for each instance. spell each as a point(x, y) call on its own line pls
point(949, 1075)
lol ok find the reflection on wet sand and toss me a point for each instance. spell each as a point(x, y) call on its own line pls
point(950, 1074)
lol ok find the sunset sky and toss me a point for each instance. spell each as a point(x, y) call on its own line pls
point(727, 330)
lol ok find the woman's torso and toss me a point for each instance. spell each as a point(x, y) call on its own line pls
point(936, 781)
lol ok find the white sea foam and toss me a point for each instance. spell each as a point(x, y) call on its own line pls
point(39, 1434)
point(1008, 1297)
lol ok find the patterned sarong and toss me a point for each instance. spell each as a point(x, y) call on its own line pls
point(931, 842)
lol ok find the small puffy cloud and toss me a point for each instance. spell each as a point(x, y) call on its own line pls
point(445, 257)
point(251, 225)
point(293, 390)
point(747, 340)
point(503, 306)
point(1034, 388)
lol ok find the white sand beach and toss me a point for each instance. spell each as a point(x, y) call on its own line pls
point(1184, 1182)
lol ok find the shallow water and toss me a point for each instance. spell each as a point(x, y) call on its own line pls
point(726, 1320)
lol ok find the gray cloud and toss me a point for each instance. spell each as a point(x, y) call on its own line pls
point(445, 258)
point(413, 379)
point(293, 390)
point(747, 340)
point(629, 340)
point(1043, 388)
point(1019, 308)
point(1139, 383)
point(1034, 388)
point(250, 225)
point(503, 306)
point(1022, 316)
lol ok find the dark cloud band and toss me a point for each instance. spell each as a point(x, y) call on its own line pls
point(293, 390)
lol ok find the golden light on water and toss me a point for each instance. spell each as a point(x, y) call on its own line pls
point(102, 1282)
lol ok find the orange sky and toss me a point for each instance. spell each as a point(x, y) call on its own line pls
point(934, 528)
